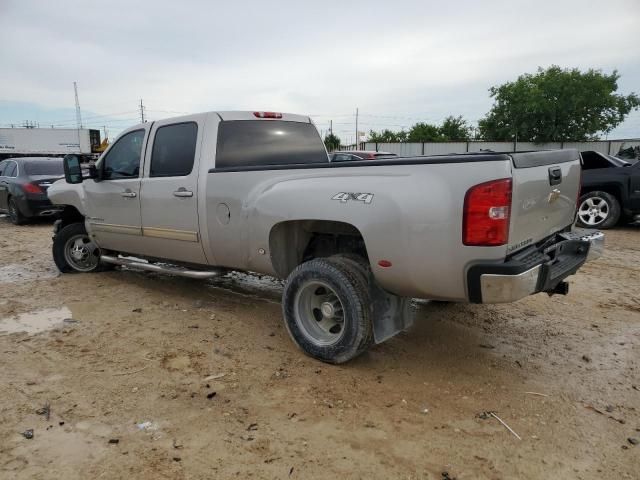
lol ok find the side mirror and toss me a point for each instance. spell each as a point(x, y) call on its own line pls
point(72, 169)
point(94, 173)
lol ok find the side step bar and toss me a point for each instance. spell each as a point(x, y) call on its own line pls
point(152, 267)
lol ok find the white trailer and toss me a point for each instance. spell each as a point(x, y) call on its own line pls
point(48, 141)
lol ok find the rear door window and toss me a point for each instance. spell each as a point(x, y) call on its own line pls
point(244, 143)
point(174, 150)
point(343, 157)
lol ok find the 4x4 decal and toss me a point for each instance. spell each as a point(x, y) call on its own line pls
point(344, 197)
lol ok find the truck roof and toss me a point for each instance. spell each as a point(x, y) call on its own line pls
point(231, 115)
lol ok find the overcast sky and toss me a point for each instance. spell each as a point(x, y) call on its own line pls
point(397, 61)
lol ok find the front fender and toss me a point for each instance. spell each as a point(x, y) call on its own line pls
point(63, 193)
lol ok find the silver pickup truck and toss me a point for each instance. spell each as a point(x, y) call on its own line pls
point(203, 194)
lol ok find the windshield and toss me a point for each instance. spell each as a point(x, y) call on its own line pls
point(44, 167)
point(618, 162)
point(622, 162)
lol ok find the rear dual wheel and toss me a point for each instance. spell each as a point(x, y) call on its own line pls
point(326, 309)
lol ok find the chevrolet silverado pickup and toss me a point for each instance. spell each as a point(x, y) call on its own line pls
point(610, 191)
point(203, 194)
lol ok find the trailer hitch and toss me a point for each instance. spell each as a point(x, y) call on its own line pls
point(562, 288)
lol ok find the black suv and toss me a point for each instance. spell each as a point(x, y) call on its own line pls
point(610, 190)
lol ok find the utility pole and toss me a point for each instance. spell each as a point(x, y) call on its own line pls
point(78, 115)
point(141, 111)
point(356, 128)
point(331, 127)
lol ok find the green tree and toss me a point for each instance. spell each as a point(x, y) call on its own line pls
point(557, 105)
point(425, 132)
point(332, 142)
point(402, 136)
point(386, 136)
point(455, 129)
point(452, 129)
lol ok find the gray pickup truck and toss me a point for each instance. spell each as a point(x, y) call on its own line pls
point(203, 194)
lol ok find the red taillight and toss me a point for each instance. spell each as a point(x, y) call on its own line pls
point(267, 114)
point(32, 188)
point(486, 214)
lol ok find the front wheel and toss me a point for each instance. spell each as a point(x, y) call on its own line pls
point(74, 251)
point(326, 310)
point(598, 210)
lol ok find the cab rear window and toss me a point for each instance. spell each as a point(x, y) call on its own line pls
point(243, 143)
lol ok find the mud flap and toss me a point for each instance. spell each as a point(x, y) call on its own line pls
point(390, 314)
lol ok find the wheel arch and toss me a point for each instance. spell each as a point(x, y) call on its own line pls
point(69, 215)
point(293, 242)
point(611, 189)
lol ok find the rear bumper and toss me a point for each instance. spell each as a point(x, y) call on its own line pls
point(37, 207)
point(532, 270)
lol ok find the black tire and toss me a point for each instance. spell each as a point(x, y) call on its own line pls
point(60, 244)
point(357, 264)
point(346, 282)
point(15, 215)
point(602, 202)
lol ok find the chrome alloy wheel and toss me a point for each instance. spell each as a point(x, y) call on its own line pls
point(593, 211)
point(319, 313)
point(81, 253)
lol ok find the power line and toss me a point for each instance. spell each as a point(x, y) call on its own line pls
point(102, 115)
point(168, 111)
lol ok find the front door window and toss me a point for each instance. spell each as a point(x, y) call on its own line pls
point(123, 160)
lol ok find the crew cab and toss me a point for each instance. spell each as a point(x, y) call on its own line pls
point(203, 194)
point(610, 190)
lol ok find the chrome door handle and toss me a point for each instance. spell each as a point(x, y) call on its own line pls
point(182, 193)
point(129, 194)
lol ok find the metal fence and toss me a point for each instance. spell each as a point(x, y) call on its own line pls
point(610, 147)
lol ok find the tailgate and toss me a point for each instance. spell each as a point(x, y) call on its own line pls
point(545, 190)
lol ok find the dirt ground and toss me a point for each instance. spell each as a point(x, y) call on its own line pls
point(148, 376)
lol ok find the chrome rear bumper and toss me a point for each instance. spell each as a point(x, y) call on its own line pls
point(594, 237)
point(520, 279)
point(498, 288)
